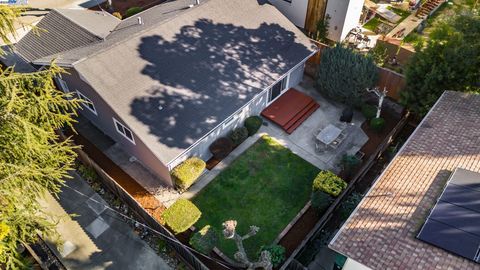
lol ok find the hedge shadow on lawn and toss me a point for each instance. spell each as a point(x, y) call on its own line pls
point(266, 186)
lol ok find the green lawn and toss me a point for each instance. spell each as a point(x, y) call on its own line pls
point(400, 12)
point(372, 24)
point(266, 186)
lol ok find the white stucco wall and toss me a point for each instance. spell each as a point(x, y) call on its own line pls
point(296, 11)
point(344, 16)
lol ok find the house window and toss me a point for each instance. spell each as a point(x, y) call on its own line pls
point(127, 133)
point(87, 102)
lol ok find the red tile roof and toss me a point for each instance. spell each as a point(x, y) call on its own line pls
point(381, 232)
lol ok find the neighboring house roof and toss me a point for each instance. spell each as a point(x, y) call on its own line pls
point(124, 30)
point(65, 29)
point(381, 232)
point(200, 64)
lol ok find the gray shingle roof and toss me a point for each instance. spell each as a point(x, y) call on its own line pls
point(63, 30)
point(124, 30)
point(199, 64)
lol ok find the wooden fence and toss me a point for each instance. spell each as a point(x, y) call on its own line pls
point(288, 265)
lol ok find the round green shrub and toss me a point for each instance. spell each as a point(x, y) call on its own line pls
point(253, 124)
point(205, 239)
point(238, 135)
point(182, 215)
point(221, 147)
point(329, 183)
point(276, 251)
point(187, 172)
point(377, 124)
point(369, 111)
point(321, 201)
point(132, 11)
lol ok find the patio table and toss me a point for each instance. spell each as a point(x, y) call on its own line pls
point(328, 134)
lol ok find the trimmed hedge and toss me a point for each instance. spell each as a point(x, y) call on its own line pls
point(238, 135)
point(369, 111)
point(377, 124)
point(221, 147)
point(132, 11)
point(182, 215)
point(276, 251)
point(187, 172)
point(205, 239)
point(321, 201)
point(253, 124)
point(329, 183)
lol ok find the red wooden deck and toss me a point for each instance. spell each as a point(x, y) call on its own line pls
point(290, 109)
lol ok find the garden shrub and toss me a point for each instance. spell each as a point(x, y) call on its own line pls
point(117, 14)
point(369, 111)
point(205, 239)
point(347, 206)
point(238, 135)
point(187, 172)
point(221, 147)
point(329, 183)
point(277, 252)
point(321, 201)
point(181, 215)
point(132, 11)
point(87, 172)
point(253, 124)
point(377, 124)
point(349, 164)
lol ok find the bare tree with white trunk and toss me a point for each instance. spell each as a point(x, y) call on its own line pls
point(381, 96)
point(265, 260)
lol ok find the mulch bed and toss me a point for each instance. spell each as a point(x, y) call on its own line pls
point(300, 230)
point(122, 5)
point(376, 138)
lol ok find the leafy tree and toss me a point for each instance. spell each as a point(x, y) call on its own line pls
point(344, 75)
point(379, 54)
point(33, 160)
point(449, 61)
point(322, 29)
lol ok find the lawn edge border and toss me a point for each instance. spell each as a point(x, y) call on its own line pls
point(293, 222)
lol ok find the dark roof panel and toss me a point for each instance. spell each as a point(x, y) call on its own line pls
point(450, 239)
point(56, 34)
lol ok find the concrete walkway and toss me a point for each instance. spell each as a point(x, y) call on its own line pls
point(409, 24)
point(97, 238)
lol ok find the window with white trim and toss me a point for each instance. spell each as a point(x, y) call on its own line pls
point(127, 133)
point(87, 103)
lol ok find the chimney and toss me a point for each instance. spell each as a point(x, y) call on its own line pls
point(140, 21)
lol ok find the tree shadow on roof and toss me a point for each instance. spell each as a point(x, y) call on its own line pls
point(206, 72)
